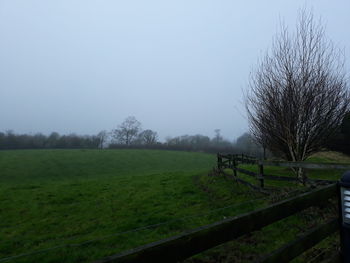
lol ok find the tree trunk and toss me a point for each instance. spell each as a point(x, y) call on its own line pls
point(301, 175)
point(264, 147)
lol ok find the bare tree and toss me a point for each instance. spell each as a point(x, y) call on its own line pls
point(128, 131)
point(217, 138)
point(298, 93)
point(102, 137)
point(148, 137)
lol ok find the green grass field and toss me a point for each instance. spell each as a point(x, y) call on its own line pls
point(50, 198)
point(83, 205)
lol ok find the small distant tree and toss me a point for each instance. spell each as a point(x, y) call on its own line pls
point(298, 92)
point(102, 138)
point(200, 142)
point(52, 140)
point(246, 144)
point(148, 137)
point(217, 138)
point(128, 131)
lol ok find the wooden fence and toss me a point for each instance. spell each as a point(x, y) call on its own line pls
point(231, 161)
point(182, 246)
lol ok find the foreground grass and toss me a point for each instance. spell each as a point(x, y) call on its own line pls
point(83, 205)
point(253, 247)
point(51, 198)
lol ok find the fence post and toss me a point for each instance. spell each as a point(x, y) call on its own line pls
point(261, 174)
point(219, 161)
point(344, 216)
point(234, 166)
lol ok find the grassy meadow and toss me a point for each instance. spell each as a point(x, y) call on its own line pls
point(50, 198)
point(83, 205)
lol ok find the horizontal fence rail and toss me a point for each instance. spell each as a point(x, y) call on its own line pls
point(306, 165)
point(303, 243)
point(227, 158)
point(231, 161)
point(247, 172)
point(235, 178)
point(182, 246)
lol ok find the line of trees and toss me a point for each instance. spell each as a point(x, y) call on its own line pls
point(10, 140)
point(129, 135)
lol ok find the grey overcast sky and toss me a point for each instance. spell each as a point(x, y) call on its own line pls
point(178, 66)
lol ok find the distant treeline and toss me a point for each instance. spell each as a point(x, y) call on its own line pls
point(244, 144)
point(10, 140)
point(129, 135)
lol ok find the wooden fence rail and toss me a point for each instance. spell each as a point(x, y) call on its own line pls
point(237, 179)
point(293, 249)
point(306, 165)
point(182, 246)
point(229, 158)
point(231, 161)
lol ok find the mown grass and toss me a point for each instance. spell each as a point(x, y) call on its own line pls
point(88, 204)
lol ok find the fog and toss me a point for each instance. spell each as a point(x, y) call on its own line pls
point(179, 67)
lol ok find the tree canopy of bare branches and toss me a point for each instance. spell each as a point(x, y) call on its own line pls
point(298, 92)
point(128, 131)
point(148, 137)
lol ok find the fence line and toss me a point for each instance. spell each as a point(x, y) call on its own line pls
point(237, 179)
point(306, 165)
point(182, 246)
point(231, 161)
point(303, 243)
point(253, 160)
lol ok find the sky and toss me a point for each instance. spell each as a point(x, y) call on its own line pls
point(178, 66)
